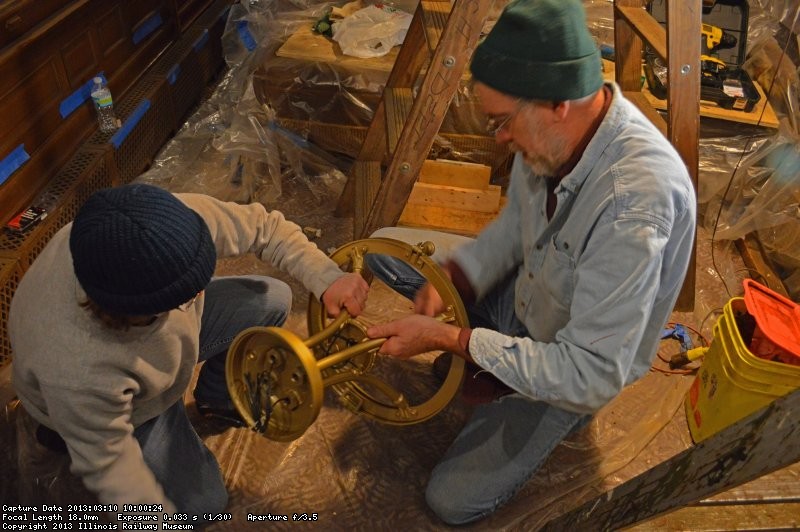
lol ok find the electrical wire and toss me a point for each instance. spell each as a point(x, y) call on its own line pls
point(745, 150)
point(661, 357)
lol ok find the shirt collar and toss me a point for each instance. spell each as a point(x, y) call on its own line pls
point(577, 153)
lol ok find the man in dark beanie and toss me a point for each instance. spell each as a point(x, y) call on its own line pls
point(109, 322)
point(569, 288)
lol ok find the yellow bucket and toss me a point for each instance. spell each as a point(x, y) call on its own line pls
point(732, 382)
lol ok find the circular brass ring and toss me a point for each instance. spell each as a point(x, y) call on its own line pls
point(352, 394)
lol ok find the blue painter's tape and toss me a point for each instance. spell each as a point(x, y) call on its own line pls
point(201, 41)
point(12, 162)
point(245, 36)
point(119, 137)
point(172, 75)
point(291, 135)
point(148, 26)
point(76, 99)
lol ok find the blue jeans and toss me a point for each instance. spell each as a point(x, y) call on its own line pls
point(183, 465)
point(504, 442)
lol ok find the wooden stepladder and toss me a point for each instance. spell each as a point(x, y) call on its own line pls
point(440, 40)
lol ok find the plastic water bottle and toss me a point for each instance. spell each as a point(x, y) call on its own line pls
point(104, 105)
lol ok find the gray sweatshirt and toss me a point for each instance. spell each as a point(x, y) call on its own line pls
point(93, 385)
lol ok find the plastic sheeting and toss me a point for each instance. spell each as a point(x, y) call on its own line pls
point(351, 471)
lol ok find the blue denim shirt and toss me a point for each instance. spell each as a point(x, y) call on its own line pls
point(595, 284)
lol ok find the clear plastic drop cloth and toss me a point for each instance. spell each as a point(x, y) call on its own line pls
point(282, 130)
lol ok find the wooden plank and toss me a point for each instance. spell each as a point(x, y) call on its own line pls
point(435, 15)
point(761, 443)
point(440, 83)
point(468, 223)
point(468, 199)
point(762, 114)
point(753, 256)
point(646, 27)
point(397, 102)
point(782, 485)
point(305, 45)
point(683, 112)
point(628, 48)
point(455, 173)
point(756, 516)
point(367, 176)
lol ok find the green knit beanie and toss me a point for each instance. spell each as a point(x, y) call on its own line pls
point(540, 50)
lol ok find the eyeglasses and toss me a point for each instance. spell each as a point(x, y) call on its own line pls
point(184, 307)
point(495, 125)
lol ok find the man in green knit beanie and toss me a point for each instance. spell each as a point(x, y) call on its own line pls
point(568, 290)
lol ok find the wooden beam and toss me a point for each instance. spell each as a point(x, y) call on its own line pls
point(646, 27)
point(628, 48)
point(683, 97)
point(753, 257)
point(468, 199)
point(761, 443)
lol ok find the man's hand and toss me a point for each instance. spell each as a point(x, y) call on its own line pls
point(415, 334)
point(428, 302)
point(348, 292)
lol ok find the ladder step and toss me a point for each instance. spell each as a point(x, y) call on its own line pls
point(435, 15)
point(397, 104)
point(367, 176)
point(646, 27)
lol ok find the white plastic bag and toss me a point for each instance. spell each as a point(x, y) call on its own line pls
point(372, 31)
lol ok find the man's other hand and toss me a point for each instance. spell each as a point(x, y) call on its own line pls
point(415, 334)
point(348, 292)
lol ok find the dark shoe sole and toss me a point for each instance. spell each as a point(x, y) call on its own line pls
point(223, 415)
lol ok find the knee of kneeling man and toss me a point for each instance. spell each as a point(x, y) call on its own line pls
point(447, 507)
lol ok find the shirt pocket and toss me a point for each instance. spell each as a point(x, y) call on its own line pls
point(558, 273)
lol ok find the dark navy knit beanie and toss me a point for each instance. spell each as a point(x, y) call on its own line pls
point(540, 50)
point(138, 250)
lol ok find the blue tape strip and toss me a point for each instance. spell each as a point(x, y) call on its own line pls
point(201, 41)
point(76, 99)
point(12, 162)
point(245, 36)
point(172, 75)
point(119, 137)
point(147, 27)
point(224, 12)
point(291, 135)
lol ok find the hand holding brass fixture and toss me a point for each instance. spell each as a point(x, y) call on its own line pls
point(276, 379)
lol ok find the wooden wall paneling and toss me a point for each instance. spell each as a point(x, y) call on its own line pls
point(20, 16)
point(189, 10)
point(214, 19)
point(34, 85)
point(151, 32)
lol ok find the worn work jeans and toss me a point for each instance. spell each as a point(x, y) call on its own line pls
point(504, 442)
point(186, 469)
